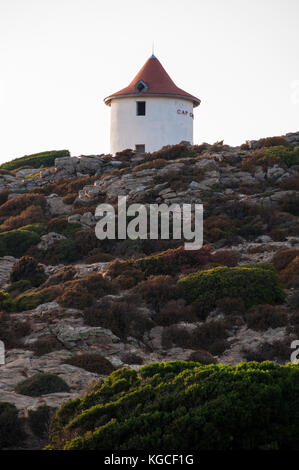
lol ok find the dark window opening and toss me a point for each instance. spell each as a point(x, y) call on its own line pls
point(140, 148)
point(141, 86)
point(140, 108)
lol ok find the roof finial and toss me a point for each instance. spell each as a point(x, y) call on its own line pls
point(153, 51)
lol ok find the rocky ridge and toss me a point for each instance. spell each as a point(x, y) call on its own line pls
point(215, 174)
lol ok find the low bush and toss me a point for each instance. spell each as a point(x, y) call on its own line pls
point(229, 305)
point(255, 284)
point(19, 203)
point(175, 311)
point(45, 346)
point(95, 363)
point(17, 288)
point(123, 317)
point(269, 156)
point(273, 142)
point(70, 198)
point(27, 268)
point(156, 291)
point(124, 274)
point(95, 256)
point(31, 300)
point(263, 317)
point(208, 335)
point(83, 292)
point(3, 196)
point(278, 350)
point(172, 152)
point(36, 160)
point(176, 260)
point(282, 258)
point(39, 420)
point(185, 405)
point(290, 184)
point(86, 241)
point(289, 276)
point(287, 156)
point(65, 274)
point(173, 261)
point(17, 242)
point(174, 336)
point(63, 251)
point(61, 225)
point(290, 203)
point(42, 384)
point(12, 331)
point(293, 300)
point(157, 163)
point(131, 358)
point(6, 302)
point(202, 356)
point(75, 296)
point(28, 216)
point(11, 426)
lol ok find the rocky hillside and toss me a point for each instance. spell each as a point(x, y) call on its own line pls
point(74, 308)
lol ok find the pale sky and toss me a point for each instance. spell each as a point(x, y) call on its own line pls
point(60, 58)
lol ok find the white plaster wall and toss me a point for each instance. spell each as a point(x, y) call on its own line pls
point(162, 124)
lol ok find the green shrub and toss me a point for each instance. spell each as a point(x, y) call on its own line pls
point(42, 384)
point(36, 160)
point(6, 302)
point(269, 156)
point(36, 228)
point(185, 405)
point(255, 284)
point(63, 251)
point(27, 268)
point(60, 225)
point(16, 242)
point(286, 155)
point(18, 287)
point(31, 300)
point(11, 426)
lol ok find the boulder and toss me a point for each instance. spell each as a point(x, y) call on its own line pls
point(89, 165)
point(49, 239)
point(57, 206)
point(67, 165)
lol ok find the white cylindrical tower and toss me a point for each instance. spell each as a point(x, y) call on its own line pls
point(151, 112)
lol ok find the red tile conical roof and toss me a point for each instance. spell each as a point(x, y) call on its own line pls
point(152, 80)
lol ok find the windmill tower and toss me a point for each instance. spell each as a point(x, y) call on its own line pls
point(150, 112)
